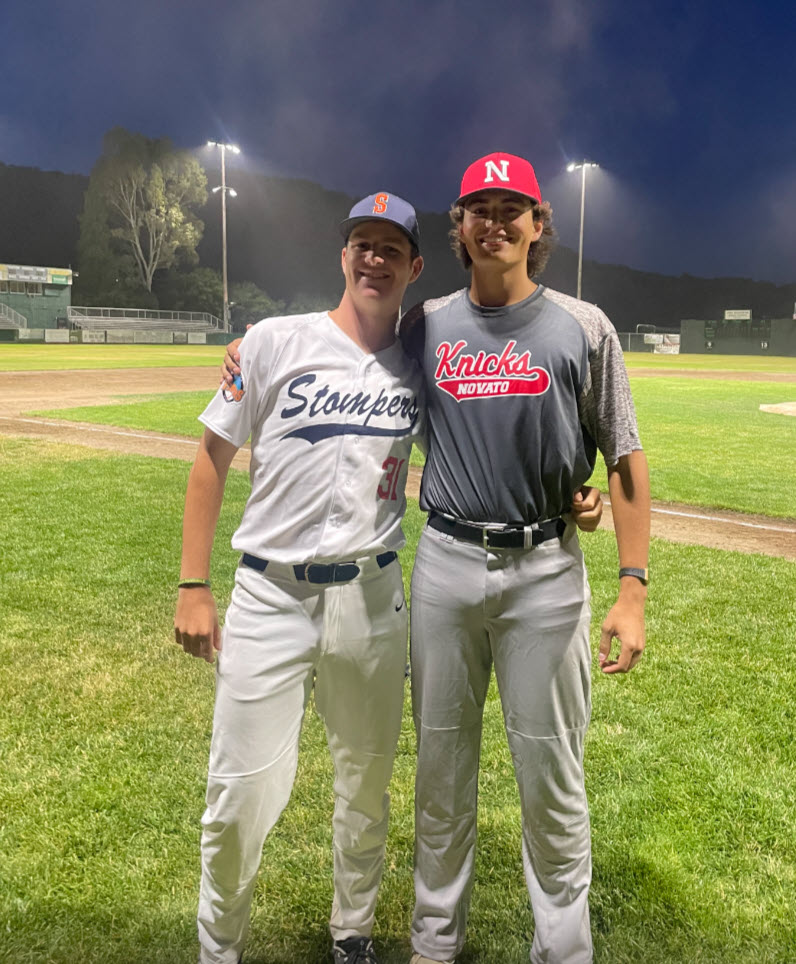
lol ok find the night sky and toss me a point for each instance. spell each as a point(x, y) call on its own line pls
point(688, 107)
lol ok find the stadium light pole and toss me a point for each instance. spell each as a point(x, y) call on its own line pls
point(581, 166)
point(233, 193)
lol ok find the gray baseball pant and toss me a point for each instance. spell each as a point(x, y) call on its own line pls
point(279, 635)
point(527, 612)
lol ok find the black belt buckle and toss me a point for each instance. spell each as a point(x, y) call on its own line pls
point(509, 537)
point(318, 573)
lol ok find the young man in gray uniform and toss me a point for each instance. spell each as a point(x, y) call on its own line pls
point(586, 508)
point(333, 406)
point(523, 385)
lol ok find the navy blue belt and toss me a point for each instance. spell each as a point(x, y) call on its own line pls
point(317, 572)
point(507, 537)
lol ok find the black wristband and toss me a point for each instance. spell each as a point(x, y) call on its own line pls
point(192, 583)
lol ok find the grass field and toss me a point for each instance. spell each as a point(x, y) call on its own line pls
point(18, 357)
point(711, 363)
point(172, 414)
point(104, 728)
point(707, 442)
point(104, 723)
point(45, 358)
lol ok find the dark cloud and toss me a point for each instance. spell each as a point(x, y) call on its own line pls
point(687, 106)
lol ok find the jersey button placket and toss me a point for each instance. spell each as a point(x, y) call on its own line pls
point(343, 508)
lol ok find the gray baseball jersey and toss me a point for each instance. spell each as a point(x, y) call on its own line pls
point(332, 430)
point(520, 398)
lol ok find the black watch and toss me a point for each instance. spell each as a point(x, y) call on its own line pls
point(643, 575)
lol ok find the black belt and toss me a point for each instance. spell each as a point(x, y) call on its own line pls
point(317, 572)
point(507, 537)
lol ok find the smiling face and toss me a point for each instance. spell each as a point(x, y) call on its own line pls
point(498, 228)
point(378, 265)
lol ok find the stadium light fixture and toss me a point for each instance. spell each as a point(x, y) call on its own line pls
point(233, 193)
point(581, 166)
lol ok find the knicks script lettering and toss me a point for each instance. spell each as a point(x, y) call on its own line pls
point(485, 375)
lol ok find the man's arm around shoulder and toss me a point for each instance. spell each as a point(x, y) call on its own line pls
point(628, 485)
point(196, 620)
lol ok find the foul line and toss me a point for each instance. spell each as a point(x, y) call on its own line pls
point(105, 431)
point(719, 518)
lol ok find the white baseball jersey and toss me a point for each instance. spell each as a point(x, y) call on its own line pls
point(332, 430)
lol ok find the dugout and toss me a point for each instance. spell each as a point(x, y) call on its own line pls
point(33, 297)
point(736, 336)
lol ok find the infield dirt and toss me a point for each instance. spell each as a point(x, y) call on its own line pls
point(22, 391)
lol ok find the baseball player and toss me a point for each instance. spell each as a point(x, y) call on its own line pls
point(523, 385)
point(333, 406)
point(586, 509)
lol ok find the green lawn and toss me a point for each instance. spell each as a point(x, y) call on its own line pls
point(39, 357)
point(172, 414)
point(713, 363)
point(709, 444)
point(104, 728)
point(707, 441)
point(45, 358)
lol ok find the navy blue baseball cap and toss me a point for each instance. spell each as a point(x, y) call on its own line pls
point(383, 206)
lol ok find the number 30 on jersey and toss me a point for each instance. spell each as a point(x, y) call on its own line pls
point(389, 485)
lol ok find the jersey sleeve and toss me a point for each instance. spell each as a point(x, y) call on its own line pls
point(607, 409)
point(412, 333)
point(421, 428)
point(232, 413)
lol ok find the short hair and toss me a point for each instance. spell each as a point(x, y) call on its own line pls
point(539, 251)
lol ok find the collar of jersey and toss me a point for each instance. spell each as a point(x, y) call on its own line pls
point(503, 310)
point(340, 341)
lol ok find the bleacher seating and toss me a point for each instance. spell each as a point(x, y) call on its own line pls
point(11, 319)
point(132, 319)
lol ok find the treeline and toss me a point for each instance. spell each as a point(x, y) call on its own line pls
point(283, 246)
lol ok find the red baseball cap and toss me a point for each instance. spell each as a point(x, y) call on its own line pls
point(505, 172)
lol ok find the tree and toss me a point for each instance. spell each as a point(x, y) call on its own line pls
point(302, 304)
point(147, 193)
point(197, 290)
point(250, 304)
point(106, 276)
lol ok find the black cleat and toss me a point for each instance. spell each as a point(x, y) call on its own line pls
point(354, 950)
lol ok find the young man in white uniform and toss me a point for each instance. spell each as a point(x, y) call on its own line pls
point(523, 385)
point(333, 407)
point(586, 507)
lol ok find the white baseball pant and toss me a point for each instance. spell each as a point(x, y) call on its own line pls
point(280, 635)
point(527, 611)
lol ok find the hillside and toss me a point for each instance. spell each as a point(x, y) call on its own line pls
point(282, 235)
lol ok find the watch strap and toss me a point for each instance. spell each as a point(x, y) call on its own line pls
point(643, 575)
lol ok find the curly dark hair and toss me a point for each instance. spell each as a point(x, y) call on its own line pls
point(539, 251)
